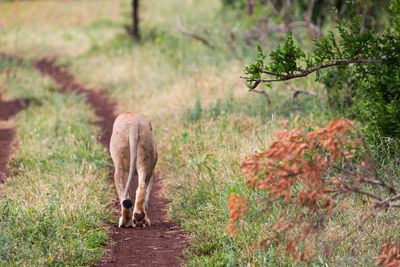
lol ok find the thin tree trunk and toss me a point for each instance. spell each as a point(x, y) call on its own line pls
point(250, 7)
point(135, 20)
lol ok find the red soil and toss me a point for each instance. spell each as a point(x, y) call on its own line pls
point(8, 109)
point(159, 245)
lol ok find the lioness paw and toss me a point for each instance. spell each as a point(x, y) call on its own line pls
point(140, 220)
point(147, 221)
point(124, 222)
point(126, 218)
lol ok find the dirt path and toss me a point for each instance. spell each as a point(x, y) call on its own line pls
point(159, 245)
point(8, 109)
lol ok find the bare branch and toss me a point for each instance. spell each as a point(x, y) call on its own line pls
point(265, 25)
point(377, 163)
point(254, 85)
point(289, 26)
point(388, 201)
point(315, 30)
point(192, 34)
point(263, 93)
point(310, 8)
point(297, 91)
point(273, 8)
point(356, 189)
point(359, 191)
point(378, 182)
point(312, 29)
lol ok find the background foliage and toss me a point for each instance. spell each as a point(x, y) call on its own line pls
point(367, 91)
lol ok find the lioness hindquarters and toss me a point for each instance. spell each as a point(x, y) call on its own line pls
point(133, 150)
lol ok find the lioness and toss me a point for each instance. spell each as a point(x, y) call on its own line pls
point(133, 151)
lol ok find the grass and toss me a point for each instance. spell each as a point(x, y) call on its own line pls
point(205, 124)
point(203, 159)
point(54, 205)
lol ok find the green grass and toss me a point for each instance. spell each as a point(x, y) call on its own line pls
point(53, 207)
point(203, 159)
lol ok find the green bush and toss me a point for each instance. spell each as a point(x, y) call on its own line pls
point(365, 87)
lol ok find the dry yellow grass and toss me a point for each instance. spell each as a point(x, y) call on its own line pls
point(61, 14)
point(54, 28)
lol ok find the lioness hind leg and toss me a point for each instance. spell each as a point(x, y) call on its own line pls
point(126, 217)
point(120, 177)
point(126, 205)
point(148, 191)
point(140, 215)
point(140, 219)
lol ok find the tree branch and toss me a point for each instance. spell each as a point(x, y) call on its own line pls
point(273, 73)
point(263, 93)
point(305, 72)
point(310, 9)
point(271, 26)
point(356, 189)
point(312, 29)
point(273, 8)
point(192, 34)
point(297, 91)
point(315, 30)
point(378, 182)
point(388, 201)
point(377, 163)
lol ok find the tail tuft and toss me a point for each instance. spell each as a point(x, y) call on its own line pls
point(127, 203)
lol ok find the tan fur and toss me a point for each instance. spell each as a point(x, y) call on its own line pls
point(133, 151)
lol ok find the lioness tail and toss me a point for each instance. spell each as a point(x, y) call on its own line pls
point(133, 133)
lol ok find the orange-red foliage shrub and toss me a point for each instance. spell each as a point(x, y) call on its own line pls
point(237, 207)
point(306, 169)
point(299, 157)
point(390, 256)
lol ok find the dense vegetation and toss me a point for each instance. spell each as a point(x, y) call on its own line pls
point(205, 120)
point(366, 90)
